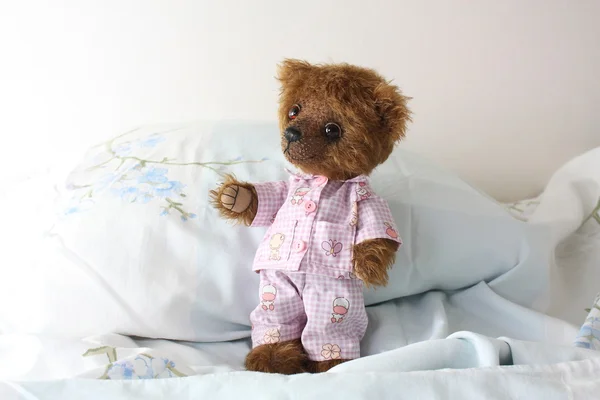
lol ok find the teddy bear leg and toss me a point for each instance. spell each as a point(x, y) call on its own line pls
point(322, 366)
point(280, 358)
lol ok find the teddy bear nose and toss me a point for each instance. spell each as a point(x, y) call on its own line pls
point(292, 134)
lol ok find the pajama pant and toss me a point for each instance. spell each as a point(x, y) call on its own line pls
point(326, 313)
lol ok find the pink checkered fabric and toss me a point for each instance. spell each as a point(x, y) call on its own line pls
point(327, 314)
point(308, 289)
point(271, 196)
point(314, 223)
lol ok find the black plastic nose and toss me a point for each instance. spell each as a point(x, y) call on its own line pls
point(292, 134)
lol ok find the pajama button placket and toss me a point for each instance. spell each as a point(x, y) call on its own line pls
point(307, 214)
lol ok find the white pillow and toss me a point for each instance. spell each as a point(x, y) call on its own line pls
point(138, 250)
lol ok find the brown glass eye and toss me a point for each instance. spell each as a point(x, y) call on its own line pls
point(294, 111)
point(333, 131)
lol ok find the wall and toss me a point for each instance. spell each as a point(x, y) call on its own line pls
point(504, 91)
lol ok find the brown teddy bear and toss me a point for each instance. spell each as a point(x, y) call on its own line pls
point(328, 232)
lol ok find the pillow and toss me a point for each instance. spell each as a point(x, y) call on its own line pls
point(137, 249)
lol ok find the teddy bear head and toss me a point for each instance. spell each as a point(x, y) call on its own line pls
point(338, 120)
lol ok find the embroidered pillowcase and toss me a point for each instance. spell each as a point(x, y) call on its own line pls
point(137, 249)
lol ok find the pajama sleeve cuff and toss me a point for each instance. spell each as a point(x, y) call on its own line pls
point(375, 221)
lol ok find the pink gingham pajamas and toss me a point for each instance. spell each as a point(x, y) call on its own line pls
point(307, 288)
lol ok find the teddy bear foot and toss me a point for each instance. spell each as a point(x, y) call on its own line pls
point(280, 358)
point(322, 366)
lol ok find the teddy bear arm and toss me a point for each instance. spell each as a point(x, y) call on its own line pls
point(236, 201)
point(372, 259)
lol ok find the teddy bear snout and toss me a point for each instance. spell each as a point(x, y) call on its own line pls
point(292, 134)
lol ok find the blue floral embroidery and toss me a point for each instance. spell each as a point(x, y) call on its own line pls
point(145, 184)
point(153, 175)
point(139, 181)
point(146, 372)
point(143, 366)
point(120, 370)
point(589, 334)
point(185, 218)
point(151, 141)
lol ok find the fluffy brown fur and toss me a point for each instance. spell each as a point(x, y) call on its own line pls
point(246, 217)
point(282, 358)
point(372, 259)
point(371, 112)
point(323, 366)
point(372, 115)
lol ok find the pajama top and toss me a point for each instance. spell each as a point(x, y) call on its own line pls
point(314, 223)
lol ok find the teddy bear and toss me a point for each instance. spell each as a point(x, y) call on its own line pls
point(328, 234)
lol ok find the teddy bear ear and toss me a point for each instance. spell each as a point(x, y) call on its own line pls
point(391, 106)
point(291, 69)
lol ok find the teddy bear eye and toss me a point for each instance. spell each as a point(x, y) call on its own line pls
point(333, 131)
point(294, 111)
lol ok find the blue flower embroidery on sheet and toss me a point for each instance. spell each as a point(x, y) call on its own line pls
point(185, 218)
point(142, 366)
point(139, 366)
point(120, 370)
point(589, 334)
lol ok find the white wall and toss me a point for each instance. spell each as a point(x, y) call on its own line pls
point(504, 91)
